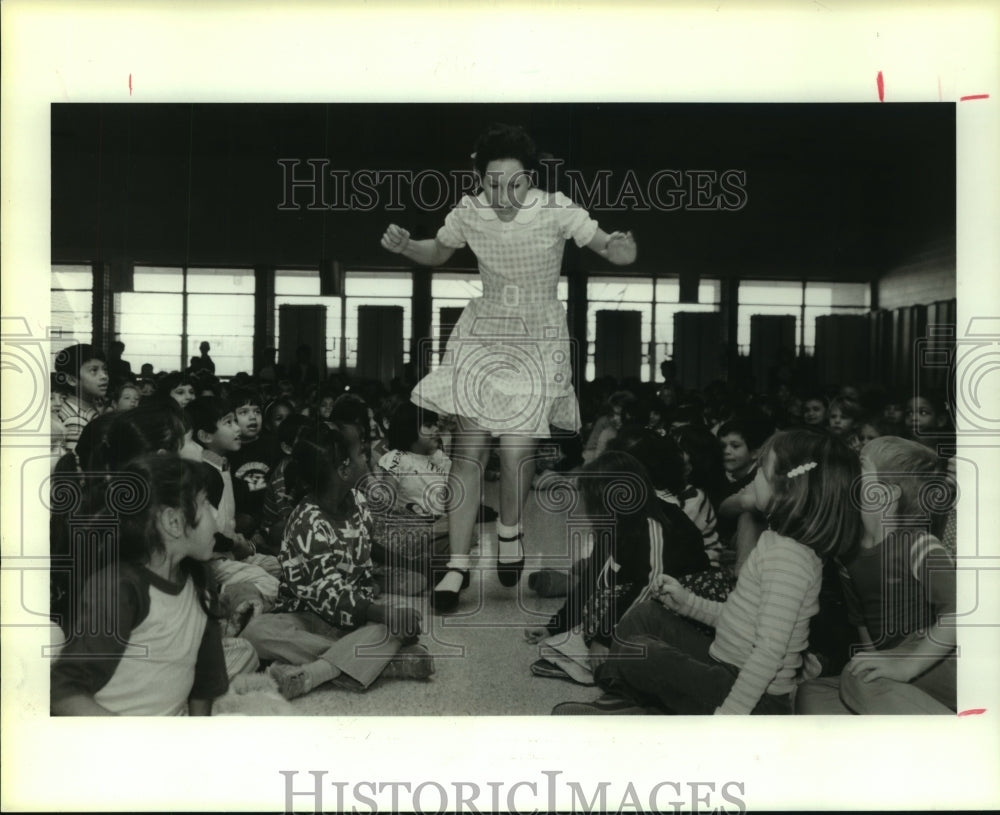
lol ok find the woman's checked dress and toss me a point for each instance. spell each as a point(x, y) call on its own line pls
point(506, 366)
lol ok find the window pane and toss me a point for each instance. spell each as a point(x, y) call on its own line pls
point(71, 317)
point(378, 284)
point(458, 286)
point(158, 278)
point(770, 292)
point(150, 326)
point(838, 294)
point(78, 278)
point(221, 281)
point(296, 282)
point(150, 314)
point(630, 289)
point(225, 321)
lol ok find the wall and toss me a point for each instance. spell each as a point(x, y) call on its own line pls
point(927, 277)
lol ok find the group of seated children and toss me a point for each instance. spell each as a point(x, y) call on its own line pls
point(726, 565)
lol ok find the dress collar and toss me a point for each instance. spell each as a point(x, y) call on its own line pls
point(534, 200)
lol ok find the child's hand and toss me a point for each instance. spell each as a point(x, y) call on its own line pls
point(621, 248)
point(395, 239)
point(669, 591)
point(869, 666)
point(535, 634)
point(242, 548)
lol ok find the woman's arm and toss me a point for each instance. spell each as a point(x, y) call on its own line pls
point(618, 247)
point(429, 252)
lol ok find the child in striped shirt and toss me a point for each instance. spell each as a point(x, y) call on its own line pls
point(803, 485)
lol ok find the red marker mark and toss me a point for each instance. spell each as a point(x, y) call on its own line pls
point(130, 84)
point(974, 96)
point(976, 711)
point(881, 87)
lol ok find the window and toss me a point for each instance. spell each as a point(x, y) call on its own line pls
point(804, 300)
point(173, 310)
point(72, 291)
point(376, 289)
point(656, 301)
point(300, 287)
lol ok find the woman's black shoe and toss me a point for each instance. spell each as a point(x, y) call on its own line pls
point(447, 601)
point(509, 573)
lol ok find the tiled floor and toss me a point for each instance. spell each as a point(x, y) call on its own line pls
point(482, 660)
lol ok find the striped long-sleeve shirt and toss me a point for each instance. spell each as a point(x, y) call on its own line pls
point(763, 627)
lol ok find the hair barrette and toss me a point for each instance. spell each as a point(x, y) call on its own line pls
point(795, 472)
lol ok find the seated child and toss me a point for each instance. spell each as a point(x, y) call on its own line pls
point(814, 410)
point(750, 665)
point(844, 416)
point(644, 540)
point(258, 453)
point(124, 397)
point(283, 491)
point(82, 377)
point(177, 386)
point(415, 465)
point(162, 653)
point(215, 428)
point(900, 588)
point(742, 439)
point(328, 623)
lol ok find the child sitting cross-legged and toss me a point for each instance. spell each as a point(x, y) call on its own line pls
point(660, 659)
point(900, 588)
point(329, 624)
point(637, 537)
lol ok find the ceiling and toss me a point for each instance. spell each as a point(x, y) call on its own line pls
point(828, 192)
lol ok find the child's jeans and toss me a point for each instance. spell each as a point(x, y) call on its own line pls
point(299, 638)
point(660, 658)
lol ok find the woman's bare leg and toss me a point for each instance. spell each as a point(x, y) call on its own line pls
point(516, 456)
point(470, 449)
point(516, 470)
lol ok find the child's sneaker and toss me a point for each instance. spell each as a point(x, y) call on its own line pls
point(410, 662)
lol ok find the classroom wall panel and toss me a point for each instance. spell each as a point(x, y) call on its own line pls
point(699, 349)
point(619, 344)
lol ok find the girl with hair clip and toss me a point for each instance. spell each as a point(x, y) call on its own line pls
point(640, 538)
point(328, 624)
point(900, 590)
point(161, 601)
point(659, 658)
point(506, 371)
